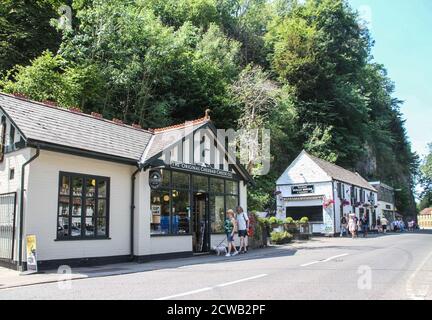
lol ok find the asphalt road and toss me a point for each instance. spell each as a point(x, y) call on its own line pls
point(394, 266)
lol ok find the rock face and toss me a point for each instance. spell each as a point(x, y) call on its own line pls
point(369, 168)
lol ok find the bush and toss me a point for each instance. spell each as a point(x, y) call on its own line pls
point(304, 220)
point(281, 237)
point(272, 220)
point(289, 220)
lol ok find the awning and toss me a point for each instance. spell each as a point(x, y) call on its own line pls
point(303, 198)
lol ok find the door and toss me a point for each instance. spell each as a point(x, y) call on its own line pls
point(7, 225)
point(200, 223)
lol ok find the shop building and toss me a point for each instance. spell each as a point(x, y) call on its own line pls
point(386, 201)
point(96, 191)
point(424, 219)
point(323, 192)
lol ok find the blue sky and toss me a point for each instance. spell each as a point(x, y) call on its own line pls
point(402, 30)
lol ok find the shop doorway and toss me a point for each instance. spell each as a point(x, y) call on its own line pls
point(200, 223)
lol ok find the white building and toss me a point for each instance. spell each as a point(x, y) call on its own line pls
point(323, 192)
point(386, 200)
point(81, 185)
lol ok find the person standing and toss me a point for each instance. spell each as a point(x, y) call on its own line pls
point(365, 225)
point(344, 224)
point(230, 226)
point(378, 223)
point(384, 223)
point(352, 225)
point(243, 226)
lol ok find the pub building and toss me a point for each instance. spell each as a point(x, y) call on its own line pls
point(98, 191)
point(323, 192)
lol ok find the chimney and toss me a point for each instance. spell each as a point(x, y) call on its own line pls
point(96, 115)
point(118, 121)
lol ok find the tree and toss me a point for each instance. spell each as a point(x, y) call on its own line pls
point(426, 181)
point(25, 31)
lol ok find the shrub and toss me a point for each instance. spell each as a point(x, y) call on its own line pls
point(272, 220)
point(281, 237)
point(289, 220)
point(304, 220)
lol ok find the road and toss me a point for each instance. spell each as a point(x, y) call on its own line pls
point(394, 266)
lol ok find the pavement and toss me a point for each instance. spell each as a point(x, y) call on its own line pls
point(392, 266)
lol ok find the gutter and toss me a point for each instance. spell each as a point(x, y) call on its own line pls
point(132, 213)
point(21, 205)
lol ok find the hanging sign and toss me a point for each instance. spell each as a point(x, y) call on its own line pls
point(155, 179)
point(31, 254)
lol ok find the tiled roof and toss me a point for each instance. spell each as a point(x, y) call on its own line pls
point(46, 123)
point(341, 174)
point(426, 211)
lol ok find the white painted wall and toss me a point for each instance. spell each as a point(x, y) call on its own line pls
point(42, 202)
point(14, 160)
point(302, 171)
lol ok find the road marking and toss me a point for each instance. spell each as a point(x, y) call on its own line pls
point(241, 280)
point(422, 292)
point(325, 260)
point(211, 288)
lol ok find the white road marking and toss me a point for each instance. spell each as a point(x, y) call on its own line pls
point(241, 280)
point(325, 260)
point(420, 293)
point(211, 288)
point(185, 293)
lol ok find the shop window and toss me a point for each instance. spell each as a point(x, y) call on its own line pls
point(231, 202)
point(217, 185)
point(180, 180)
point(200, 183)
point(231, 187)
point(83, 207)
point(160, 212)
point(180, 212)
point(217, 213)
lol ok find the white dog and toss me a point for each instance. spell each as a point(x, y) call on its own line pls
point(220, 249)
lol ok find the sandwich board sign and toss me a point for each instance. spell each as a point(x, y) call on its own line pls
point(31, 253)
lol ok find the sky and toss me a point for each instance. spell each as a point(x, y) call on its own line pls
point(402, 30)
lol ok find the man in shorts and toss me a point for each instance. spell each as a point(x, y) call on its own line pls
point(243, 226)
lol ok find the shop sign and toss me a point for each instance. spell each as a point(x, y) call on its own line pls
point(155, 179)
point(304, 189)
point(31, 254)
point(195, 168)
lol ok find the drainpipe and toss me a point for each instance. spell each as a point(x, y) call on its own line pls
point(132, 216)
point(21, 205)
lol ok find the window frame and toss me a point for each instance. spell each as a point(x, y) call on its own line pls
point(170, 188)
point(83, 197)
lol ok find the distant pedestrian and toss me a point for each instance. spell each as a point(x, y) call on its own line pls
point(243, 226)
point(384, 223)
point(365, 225)
point(344, 225)
point(352, 225)
point(230, 227)
point(378, 225)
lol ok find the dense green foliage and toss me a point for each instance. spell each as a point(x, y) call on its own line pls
point(426, 181)
point(302, 69)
